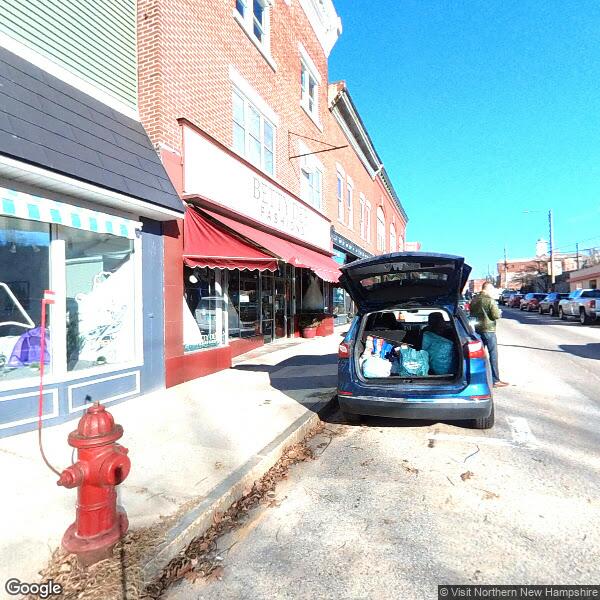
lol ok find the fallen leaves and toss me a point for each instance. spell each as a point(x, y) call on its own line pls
point(466, 475)
point(201, 560)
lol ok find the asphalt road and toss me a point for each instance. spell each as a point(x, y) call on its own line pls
point(392, 509)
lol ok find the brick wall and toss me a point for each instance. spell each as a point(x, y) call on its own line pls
point(185, 50)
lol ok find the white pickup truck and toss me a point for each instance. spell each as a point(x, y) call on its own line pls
point(583, 304)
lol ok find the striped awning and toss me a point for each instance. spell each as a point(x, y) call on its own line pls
point(36, 208)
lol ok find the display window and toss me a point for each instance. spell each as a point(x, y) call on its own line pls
point(203, 323)
point(100, 299)
point(24, 275)
point(94, 321)
point(242, 309)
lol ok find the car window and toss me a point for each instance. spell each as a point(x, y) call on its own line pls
point(591, 294)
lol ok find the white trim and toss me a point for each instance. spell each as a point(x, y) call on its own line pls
point(350, 182)
point(44, 178)
point(324, 20)
point(70, 389)
point(251, 94)
point(265, 50)
point(68, 77)
point(340, 169)
point(308, 61)
point(57, 379)
point(33, 394)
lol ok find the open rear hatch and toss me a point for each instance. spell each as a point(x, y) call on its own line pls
point(393, 280)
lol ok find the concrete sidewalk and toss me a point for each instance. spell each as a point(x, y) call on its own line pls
point(198, 444)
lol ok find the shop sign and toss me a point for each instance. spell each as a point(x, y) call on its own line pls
point(345, 244)
point(214, 174)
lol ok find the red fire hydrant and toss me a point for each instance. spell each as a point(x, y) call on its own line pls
point(102, 464)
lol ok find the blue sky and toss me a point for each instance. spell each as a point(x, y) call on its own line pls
point(479, 110)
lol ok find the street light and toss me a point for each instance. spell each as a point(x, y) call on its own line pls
point(551, 227)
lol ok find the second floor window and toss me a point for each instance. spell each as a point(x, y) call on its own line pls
point(380, 230)
point(349, 207)
point(363, 216)
point(253, 134)
point(393, 247)
point(340, 196)
point(312, 180)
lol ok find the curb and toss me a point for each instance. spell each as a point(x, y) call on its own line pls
point(197, 520)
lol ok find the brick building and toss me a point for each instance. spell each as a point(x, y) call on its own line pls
point(274, 163)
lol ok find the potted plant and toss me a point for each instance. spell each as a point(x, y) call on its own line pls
point(308, 325)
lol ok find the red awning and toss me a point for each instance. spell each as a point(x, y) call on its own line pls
point(205, 244)
point(294, 254)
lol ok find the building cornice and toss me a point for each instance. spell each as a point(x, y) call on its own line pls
point(325, 22)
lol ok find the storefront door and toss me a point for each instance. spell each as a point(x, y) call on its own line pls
point(280, 305)
point(266, 305)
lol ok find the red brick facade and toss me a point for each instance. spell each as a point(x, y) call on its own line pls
point(187, 50)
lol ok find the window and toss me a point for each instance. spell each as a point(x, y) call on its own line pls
point(310, 80)
point(253, 134)
point(203, 325)
point(310, 99)
point(393, 247)
point(93, 275)
point(349, 202)
point(100, 300)
point(363, 211)
point(312, 179)
point(368, 220)
point(242, 311)
point(340, 196)
point(254, 17)
point(400, 243)
point(24, 275)
point(380, 229)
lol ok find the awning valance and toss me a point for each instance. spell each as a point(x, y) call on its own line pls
point(36, 208)
point(294, 254)
point(206, 244)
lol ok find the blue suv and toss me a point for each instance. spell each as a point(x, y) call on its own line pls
point(400, 297)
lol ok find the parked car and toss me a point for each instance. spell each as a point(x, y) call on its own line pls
point(531, 301)
point(514, 300)
point(583, 304)
point(465, 304)
point(395, 294)
point(504, 296)
point(549, 304)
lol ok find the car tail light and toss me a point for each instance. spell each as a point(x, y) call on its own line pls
point(592, 304)
point(475, 349)
point(344, 350)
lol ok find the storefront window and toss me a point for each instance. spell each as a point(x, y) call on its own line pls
point(242, 311)
point(24, 275)
point(100, 299)
point(203, 322)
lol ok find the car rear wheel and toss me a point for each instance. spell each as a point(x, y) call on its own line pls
point(583, 318)
point(551, 311)
point(561, 314)
point(485, 422)
point(541, 310)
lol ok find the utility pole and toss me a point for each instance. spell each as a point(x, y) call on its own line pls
point(577, 255)
point(551, 225)
point(505, 270)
